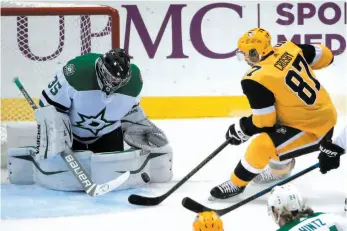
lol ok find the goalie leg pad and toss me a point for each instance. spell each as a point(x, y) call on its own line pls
point(20, 165)
point(54, 173)
point(55, 131)
point(161, 166)
point(157, 164)
point(109, 166)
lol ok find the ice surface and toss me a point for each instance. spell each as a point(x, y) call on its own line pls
point(33, 208)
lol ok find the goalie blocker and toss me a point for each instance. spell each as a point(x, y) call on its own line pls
point(150, 156)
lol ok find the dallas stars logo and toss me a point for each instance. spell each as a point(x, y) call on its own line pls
point(94, 124)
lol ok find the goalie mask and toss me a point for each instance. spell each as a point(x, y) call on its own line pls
point(113, 70)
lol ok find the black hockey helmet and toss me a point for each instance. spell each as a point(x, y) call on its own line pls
point(113, 70)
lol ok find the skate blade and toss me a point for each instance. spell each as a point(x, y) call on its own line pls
point(211, 198)
point(234, 198)
point(264, 184)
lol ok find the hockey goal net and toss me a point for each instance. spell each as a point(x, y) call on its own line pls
point(36, 40)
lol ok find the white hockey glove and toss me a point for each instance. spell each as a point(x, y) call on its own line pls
point(141, 133)
point(55, 132)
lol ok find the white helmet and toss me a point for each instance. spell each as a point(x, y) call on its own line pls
point(284, 200)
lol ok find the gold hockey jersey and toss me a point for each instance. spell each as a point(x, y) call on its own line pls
point(283, 89)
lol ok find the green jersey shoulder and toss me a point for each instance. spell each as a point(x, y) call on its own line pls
point(134, 86)
point(80, 72)
point(81, 75)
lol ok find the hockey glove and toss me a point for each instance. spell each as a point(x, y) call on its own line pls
point(329, 156)
point(236, 135)
point(140, 132)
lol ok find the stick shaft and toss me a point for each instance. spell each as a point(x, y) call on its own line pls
point(150, 201)
point(25, 93)
point(196, 207)
point(197, 168)
point(261, 193)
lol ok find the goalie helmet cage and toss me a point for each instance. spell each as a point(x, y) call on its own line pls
point(39, 38)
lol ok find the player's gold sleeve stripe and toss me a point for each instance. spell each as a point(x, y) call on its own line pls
point(264, 120)
point(323, 57)
point(263, 111)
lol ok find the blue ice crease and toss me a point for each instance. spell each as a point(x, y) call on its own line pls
point(32, 201)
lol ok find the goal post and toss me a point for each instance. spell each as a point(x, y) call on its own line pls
point(36, 40)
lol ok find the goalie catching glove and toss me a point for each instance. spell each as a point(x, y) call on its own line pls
point(141, 133)
point(54, 132)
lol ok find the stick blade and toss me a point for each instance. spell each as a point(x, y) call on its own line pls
point(144, 201)
point(105, 188)
point(194, 206)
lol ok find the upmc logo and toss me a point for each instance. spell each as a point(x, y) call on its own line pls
point(175, 13)
point(135, 25)
point(135, 22)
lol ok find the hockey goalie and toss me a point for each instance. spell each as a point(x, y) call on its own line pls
point(92, 107)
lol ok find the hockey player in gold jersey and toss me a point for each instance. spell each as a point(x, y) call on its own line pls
point(291, 111)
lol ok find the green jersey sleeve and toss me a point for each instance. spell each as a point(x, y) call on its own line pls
point(134, 86)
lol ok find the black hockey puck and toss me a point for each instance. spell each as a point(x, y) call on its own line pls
point(145, 177)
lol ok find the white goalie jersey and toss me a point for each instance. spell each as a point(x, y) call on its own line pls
point(74, 90)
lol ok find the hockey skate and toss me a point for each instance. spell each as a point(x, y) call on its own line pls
point(269, 175)
point(225, 191)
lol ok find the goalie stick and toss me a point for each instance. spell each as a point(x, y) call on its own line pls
point(194, 206)
point(75, 166)
point(150, 201)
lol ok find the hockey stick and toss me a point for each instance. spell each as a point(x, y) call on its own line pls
point(75, 166)
point(150, 201)
point(194, 206)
